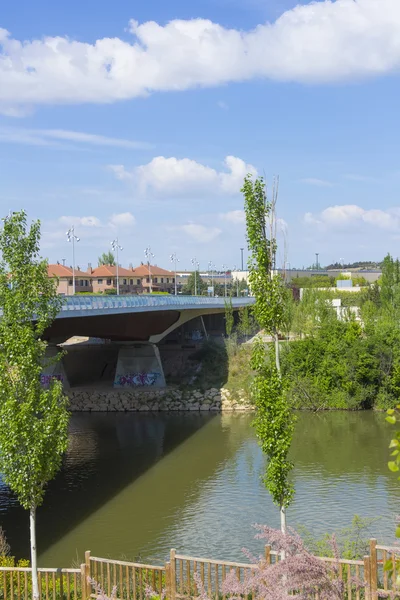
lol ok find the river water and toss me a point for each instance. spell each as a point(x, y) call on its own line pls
point(134, 485)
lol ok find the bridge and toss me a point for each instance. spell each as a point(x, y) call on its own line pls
point(139, 323)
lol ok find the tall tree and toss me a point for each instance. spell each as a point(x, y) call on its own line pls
point(194, 284)
point(33, 420)
point(107, 258)
point(274, 421)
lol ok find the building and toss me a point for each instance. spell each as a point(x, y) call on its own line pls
point(161, 279)
point(64, 275)
point(104, 279)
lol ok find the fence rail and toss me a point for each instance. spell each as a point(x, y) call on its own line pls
point(364, 579)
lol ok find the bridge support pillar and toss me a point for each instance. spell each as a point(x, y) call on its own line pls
point(52, 368)
point(139, 365)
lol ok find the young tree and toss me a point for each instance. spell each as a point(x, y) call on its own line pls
point(274, 421)
point(107, 258)
point(33, 421)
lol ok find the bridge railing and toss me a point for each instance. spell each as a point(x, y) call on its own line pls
point(82, 303)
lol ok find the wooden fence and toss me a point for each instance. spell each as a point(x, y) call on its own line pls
point(364, 579)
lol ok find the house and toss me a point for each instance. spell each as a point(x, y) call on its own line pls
point(161, 279)
point(64, 275)
point(105, 278)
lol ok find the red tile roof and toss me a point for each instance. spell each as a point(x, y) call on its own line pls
point(61, 271)
point(109, 271)
point(143, 271)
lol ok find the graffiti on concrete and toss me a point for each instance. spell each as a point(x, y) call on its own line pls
point(137, 379)
point(46, 380)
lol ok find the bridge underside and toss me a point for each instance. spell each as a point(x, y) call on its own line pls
point(124, 327)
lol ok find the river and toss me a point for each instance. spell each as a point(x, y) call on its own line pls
point(134, 485)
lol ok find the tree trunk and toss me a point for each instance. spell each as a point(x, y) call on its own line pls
point(32, 523)
point(277, 355)
point(283, 519)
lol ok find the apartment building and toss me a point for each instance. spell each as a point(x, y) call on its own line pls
point(105, 278)
point(83, 280)
point(161, 279)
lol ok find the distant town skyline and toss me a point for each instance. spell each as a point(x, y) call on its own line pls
point(141, 121)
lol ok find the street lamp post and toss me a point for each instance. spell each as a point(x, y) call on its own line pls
point(224, 267)
point(148, 254)
point(241, 251)
point(116, 248)
point(196, 266)
point(211, 266)
point(175, 259)
point(237, 282)
point(316, 256)
point(71, 237)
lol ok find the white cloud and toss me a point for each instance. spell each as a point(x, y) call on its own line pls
point(82, 221)
point(122, 220)
point(237, 217)
point(342, 216)
point(87, 228)
point(176, 177)
point(51, 137)
point(200, 233)
point(316, 182)
point(317, 42)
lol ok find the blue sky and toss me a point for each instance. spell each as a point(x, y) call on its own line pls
point(139, 120)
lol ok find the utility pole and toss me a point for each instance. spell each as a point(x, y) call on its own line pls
point(71, 237)
point(237, 282)
point(116, 248)
point(317, 264)
point(175, 259)
point(241, 251)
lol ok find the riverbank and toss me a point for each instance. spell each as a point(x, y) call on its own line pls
point(156, 400)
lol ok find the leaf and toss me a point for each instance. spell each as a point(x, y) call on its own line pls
point(395, 453)
point(398, 531)
point(393, 466)
point(394, 444)
point(390, 411)
point(391, 420)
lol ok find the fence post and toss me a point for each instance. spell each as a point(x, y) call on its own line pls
point(83, 581)
point(172, 572)
point(373, 569)
point(87, 574)
point(168, 579)
point(268, 555)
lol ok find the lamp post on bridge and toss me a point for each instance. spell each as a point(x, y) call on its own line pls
point(237, 282)
point(212, 267)
point(149, 255)
point(196, 266)
point(224, 268)
point(71, 237)
point(175, 259)
point(116, 248)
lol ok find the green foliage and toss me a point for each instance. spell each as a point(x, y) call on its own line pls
point(110, 292)
point(33, 421)
point(246, 325)
point(352, 541)
point(314, 281)
point(194, 284)
point(107, 258)
point(274, 426)
point(229, 318)
point(274, 421)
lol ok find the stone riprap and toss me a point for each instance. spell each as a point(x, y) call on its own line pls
point(155, 400)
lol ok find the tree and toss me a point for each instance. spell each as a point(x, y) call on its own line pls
point(33, 420)
point(194, 284)
point(229, 318)
point(274, 421)
point(107, 258)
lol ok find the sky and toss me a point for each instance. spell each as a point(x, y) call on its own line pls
point(139, 120)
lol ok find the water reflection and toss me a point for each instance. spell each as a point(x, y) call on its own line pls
point(135, 485)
